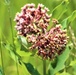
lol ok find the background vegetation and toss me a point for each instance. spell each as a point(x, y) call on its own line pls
point(20, 62)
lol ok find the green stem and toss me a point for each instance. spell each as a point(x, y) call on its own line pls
point(3, 73)
point(10, 19)
point(44, 67)
point(2, 61)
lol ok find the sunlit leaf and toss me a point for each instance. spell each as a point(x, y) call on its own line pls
point(73, 63)
point(24, 69)
point(24, 54)
point(24, 41)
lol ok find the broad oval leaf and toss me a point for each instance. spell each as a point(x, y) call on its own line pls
point(60, 61)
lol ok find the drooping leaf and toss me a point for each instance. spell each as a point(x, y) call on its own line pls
point(66, 22)
point(31, 69)
point(60, 10)
point(11, 50)
point(72, 16)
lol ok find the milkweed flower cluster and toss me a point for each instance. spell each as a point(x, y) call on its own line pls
point(32, 20)
point(32, 23)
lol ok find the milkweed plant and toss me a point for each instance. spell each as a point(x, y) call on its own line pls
point(42, 44)
point(32, 23)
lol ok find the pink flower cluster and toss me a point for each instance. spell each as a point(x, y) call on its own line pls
point(32, 23)
point(52, 43)
point(31, 19)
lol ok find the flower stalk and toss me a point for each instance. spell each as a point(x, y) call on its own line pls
point(44, 67)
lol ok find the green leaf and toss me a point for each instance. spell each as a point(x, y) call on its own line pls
point(24, 43)
point(63, 73)
point(23, 40)
point(72, 17)
point(23, 53)
point(23, 69)
point(60, 10)
point(1, 72)
point(66, 22)
point(73, 63)
point(20, 49)
point(17, 43)
point(31, 69)
point(60, 61)
point(11, 50)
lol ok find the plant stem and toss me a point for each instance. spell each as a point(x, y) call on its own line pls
point(44, 67)
point(2, 62)
point(3, 73)
point(10, 19)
